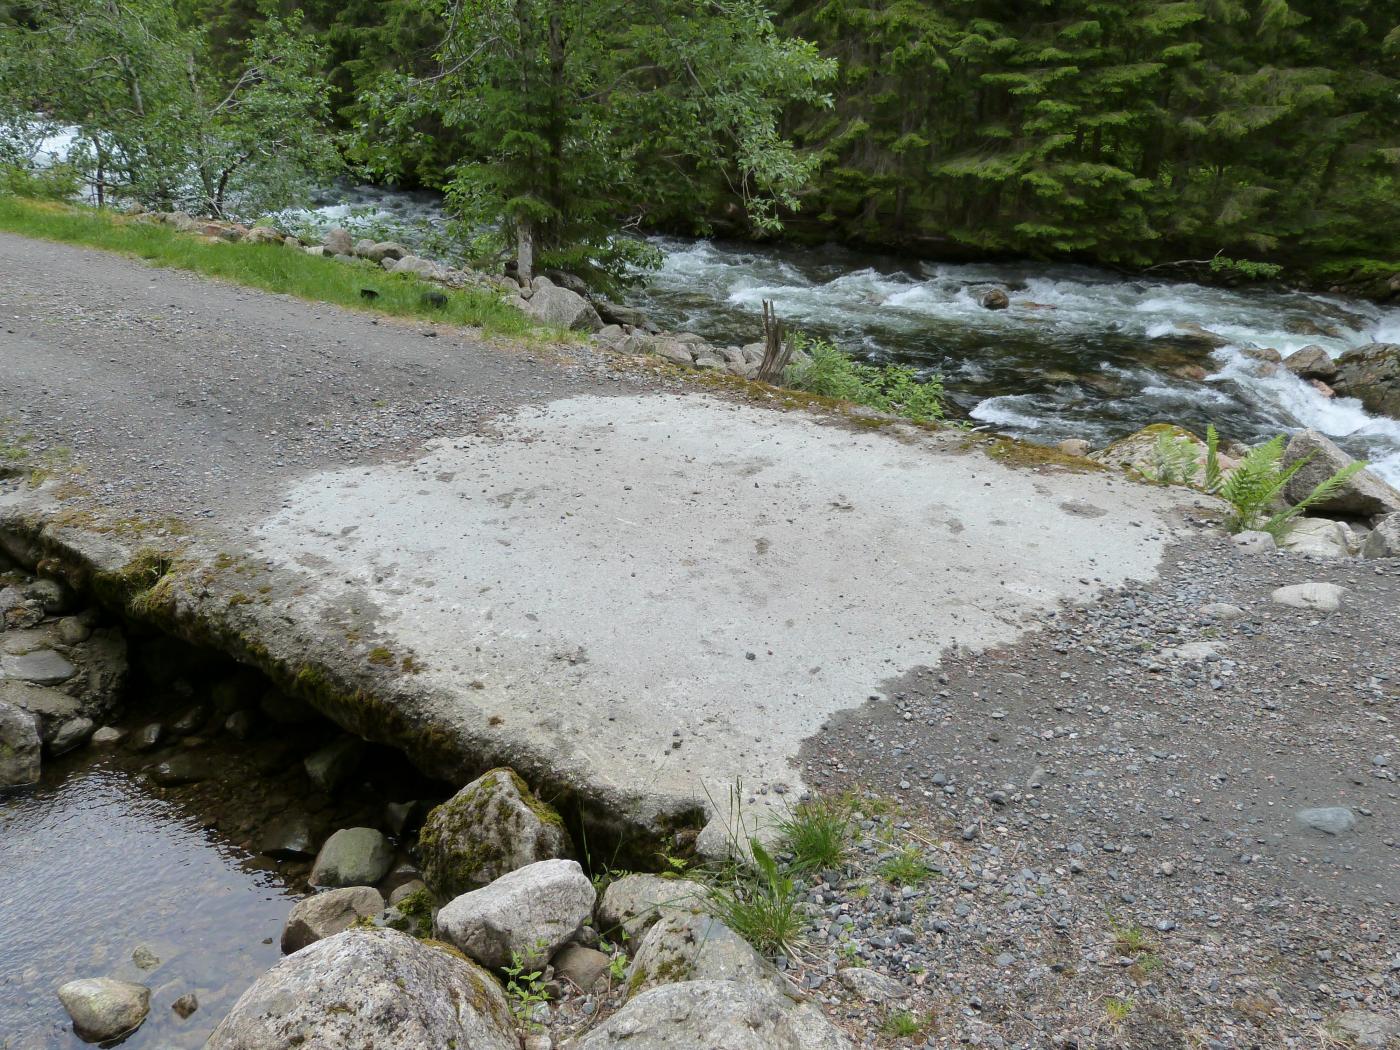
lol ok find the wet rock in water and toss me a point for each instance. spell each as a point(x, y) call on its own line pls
point(144, 958)
point(331, 766)
point(1319, 537)
point(492, 826)
point(1255, 542)
point(580, 966)
point(20, 747)
point(71, 734)
point(181, 769)
point(352, 857)
point(1384, 540)
point(327, 914)
point(1372, 375)
point(1311, 362)
point(1331, 820)
point(40, 667)
point(107, 736)
point(1362, 495)
point(531, 912)
point(701, 1015)
point(147, 738)
point(289, 837)
point(1367, 1029)
point(103, 1008)
point(1323, 597)
point(370, 988)
point(694, 948)
point(186, 1005)
point(1196, 335)
point(634, 903)
point(994, 299)
point(190, 721)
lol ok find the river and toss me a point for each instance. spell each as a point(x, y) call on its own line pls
point(1081, 352)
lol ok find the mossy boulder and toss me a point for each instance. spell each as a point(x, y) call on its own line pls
point(491, 827)
point(694, 947)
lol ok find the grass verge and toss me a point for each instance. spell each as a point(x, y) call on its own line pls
point(269, 267)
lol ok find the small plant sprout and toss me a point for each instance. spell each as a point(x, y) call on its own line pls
point(1117, 1009)
point(817, 833)
point(906, 868)
point(903, 1024)
point(759, 904)
point(525, 991)
point(1128, 938)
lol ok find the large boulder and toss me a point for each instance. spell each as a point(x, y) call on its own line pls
point(352, 857)
point(1319, 537)
point(425, 268)
point(20, 747)
point(704, 1015)
point(1312, 362)
point(1384, 539)
point(338, 242)
point(103, 1008)
point(527, 915)
point(370, 988)
point(694, 948)
point(1363, 495)
point(326, 914)
point(633, 903)
point(549, 304)
point(1372, 375)
point(1137, 453)
point(492, 826)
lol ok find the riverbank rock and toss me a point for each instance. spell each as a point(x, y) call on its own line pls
point(415, 264)
point(332, 765)
point(103, 1008)
point(326, 914)
point(549, 304)
point(1137, 453)
point(369, 988)
point(530, 913)
point(694, 948)
point(338, 242)
point(1331, 820)
point(1367, 1029)
point(20, 747)
point(491, 827)
point(1384, 540)
point(994, 299)
point(634, 903)
point(352, 857)
point(1311, 362)
point(1362, 495)
point(1323, 597)
point(703, 1015)
point(1371, 374)
point(1319, 537)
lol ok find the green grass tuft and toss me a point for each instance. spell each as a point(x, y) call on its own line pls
point(906, 868)
point(270, 267)
point(817, 833)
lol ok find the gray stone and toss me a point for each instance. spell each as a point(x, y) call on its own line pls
point(1371, 374)
point(694, 948)
point(580, 966)
point(107, 736)
point(326, 914)
point(71, 734)
point(994, 299)
point(190, 721)
point(369, 988)
point(42, 667)
point(407, 889)
point(1324, 597)
point(144, 957)
point(417, 265)
point(103, 1008)
point(549, 304)
point(1074, 447)
point(147, 737)
point(611, 334)
point(289, 837)
point(352, 857)
point(530, 913)
point(1362, 495)
point(1333, 820)
point(633, 903)
point(1367, 1029)
point(186, 1005)
point(1312, 362)
point(1254, 542)
point(708, 1015)
point(72, 630)
point(1384, 540)
point(670, 350)
point(1319, 537)
point(1223, 611)
point(338, 242)
point(492, 826)
point(331, 766)
point(52, 595)
point(872, 986)
point(239, 725)
point(20, 747)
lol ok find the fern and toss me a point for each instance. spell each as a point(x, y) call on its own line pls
point(1173, 460)
point(1278, 525)
point(1256, 485)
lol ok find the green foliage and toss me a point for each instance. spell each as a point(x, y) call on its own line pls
point(759, 903)
point(524, 990)
point(578, 118)
point(270, 267)
point(897, 389)
point(1256, 486)
point(904, 1024)
point(1173, 460)
point(155, 121)
point(817, 833)
point(56, 182)
point(906, 868)
point(1222, 265)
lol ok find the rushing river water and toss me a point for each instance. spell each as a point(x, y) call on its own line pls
point(1081, 352)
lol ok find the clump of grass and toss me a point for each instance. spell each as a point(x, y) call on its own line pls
point(906, 868)
point(759, 903)
point(270, 267)
point(1117, 1008)
point(1128, 938)
point(904, 1024)
point(817, 833)
point(897, 389)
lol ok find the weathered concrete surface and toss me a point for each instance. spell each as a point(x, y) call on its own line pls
point(638, 598)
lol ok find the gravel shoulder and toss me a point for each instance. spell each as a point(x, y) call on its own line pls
point(1110, 811)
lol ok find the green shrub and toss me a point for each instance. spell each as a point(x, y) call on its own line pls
point(897, 389)
point(54, 183)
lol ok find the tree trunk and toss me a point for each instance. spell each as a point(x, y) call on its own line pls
point(524, 250)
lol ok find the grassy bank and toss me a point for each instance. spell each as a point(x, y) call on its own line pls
point(270, 267)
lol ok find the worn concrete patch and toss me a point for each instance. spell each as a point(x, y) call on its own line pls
point(658, 595)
